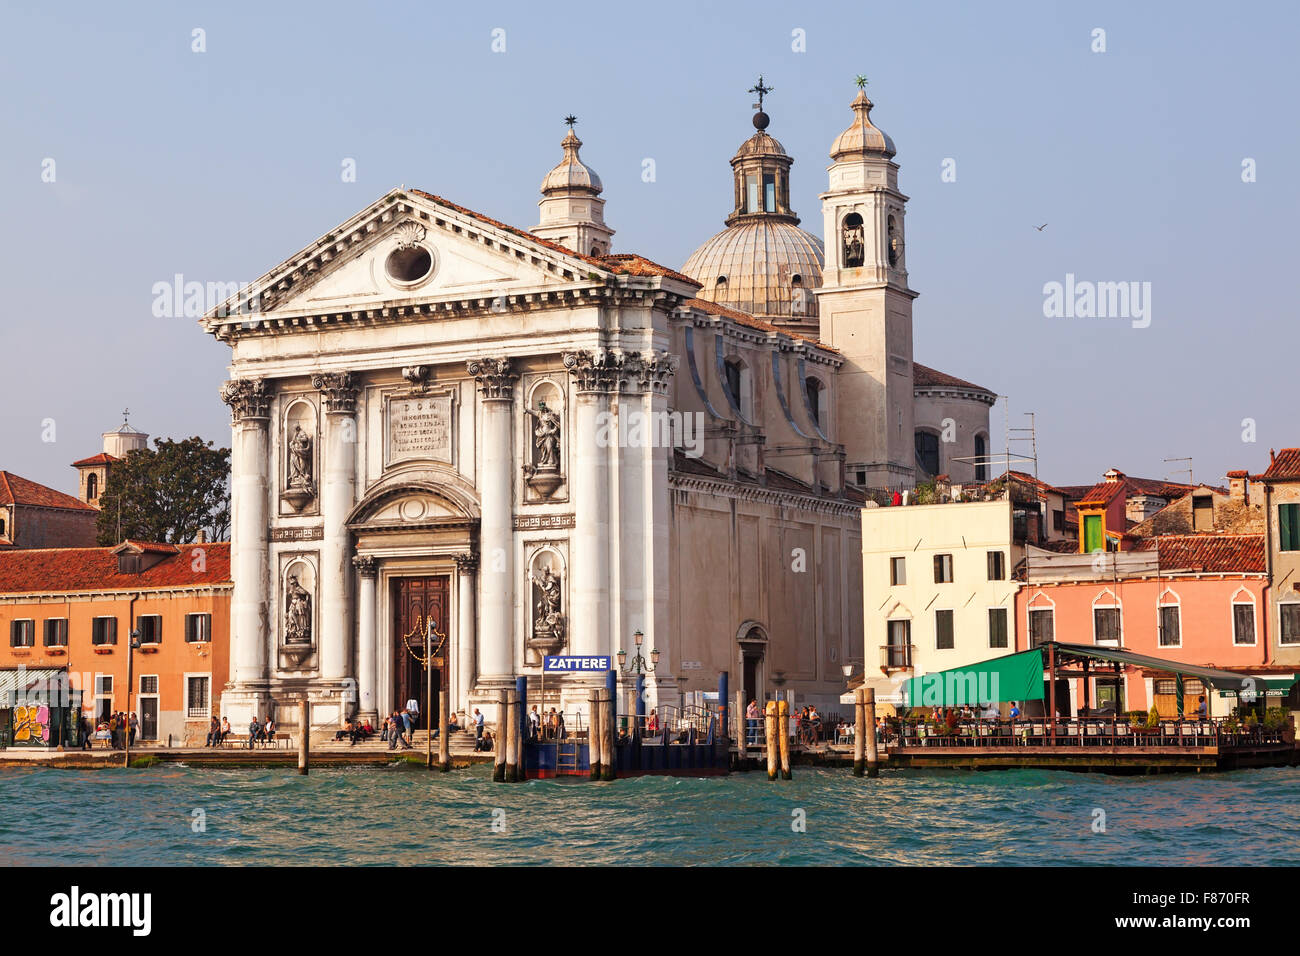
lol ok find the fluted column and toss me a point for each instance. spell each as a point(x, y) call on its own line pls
point(595, 375)
point(249, 401)
point(338, 494)
point(466, 565)
point(366, 703)
point(496, 525)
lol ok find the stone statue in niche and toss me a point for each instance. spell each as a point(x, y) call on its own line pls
point(300, 459)
point(297, 615)
point(543, 475)
point(548, 624)
point(854, 249)
point(546, 438)
point(301, 488)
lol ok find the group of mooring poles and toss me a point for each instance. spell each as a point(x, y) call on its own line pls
point(512, 732)
point(600, 733)
point(777, 727)
point(866, 755)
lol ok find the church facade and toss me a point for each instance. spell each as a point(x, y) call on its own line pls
point(462, 444)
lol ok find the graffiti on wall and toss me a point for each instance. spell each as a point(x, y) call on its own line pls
point(32, 724)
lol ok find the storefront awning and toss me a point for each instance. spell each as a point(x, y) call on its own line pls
point(1212, 677)
point(19, 680)
point(1013, 677)
point(1266, 686)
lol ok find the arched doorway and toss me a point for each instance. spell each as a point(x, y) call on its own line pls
point(420, 654)
point(752, 639)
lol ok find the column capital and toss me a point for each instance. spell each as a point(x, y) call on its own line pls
point(496, 382)
point(249, 399)
point(467, 562)
point(648, 371)
point(365, 565)
point(340, 390)
point(595, 370)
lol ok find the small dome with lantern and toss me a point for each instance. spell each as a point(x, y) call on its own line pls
point(863, 138)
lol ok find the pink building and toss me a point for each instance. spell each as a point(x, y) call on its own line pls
point(1195, 599)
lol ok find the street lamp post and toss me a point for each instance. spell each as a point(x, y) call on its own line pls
point(640, 667)
point(132, 644)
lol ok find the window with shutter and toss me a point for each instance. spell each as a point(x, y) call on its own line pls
point(943, 639)
point(1243, 624)
point(997, 627)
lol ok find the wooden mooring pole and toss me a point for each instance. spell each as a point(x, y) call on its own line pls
point(783, 732)
point(304, 735)
point(742, 727)
point(769, 728)
point(608, 717)
point(859, 732)
point(593, 733)
point(869, 735)
point(499, 768)
point(444, 718)
point(512, 736)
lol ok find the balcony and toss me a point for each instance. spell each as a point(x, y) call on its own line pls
point(896, 657)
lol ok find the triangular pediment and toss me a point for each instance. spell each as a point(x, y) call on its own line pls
point(407, 248)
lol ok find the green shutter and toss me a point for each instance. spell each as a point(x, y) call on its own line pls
point(1288, 518)
point(1092, 538)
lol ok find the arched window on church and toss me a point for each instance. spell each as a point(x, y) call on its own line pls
point(738, 387)
point(815, 392)
point(92, 487)
point(895, 242)
point(927, 454)
point(853, 241)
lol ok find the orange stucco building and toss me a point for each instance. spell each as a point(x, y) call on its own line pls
point(76, 608)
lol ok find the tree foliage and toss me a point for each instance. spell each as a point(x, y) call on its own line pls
point(168, 493)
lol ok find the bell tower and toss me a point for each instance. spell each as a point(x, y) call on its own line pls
point(865, 303)
point(572, 212)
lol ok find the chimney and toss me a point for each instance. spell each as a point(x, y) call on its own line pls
point(1238, 485)
point(201, 537)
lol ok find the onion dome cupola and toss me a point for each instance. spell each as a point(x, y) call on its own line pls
point(762, 263)
point(572, 212)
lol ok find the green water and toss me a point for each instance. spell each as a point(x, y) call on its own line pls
point(404, 815)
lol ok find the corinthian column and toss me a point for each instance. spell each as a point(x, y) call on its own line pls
point(338, 494)
point(496, 527)
point(466, 565)
point(365, 565)
point(249, 400)
point(595, 375)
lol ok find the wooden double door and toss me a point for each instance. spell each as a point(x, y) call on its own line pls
point(417, 601)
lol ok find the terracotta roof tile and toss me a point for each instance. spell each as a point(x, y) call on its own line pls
point(103, 458)
point(1284, 465)
point(923, 376)
point(63, 570)
point(16, 490)
point(1208, 553)
point(628, 263)
point(745, 319)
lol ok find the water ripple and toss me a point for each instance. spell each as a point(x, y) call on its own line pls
point(173, 815)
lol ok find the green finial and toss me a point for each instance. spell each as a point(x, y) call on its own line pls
point(570, 120)
point(861, 81)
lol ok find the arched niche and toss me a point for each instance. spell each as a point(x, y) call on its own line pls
point(548, 606)
point(298, 604)
point(299, 456)
point(545, 439)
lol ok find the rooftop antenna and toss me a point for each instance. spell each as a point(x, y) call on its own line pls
point(1188, 469)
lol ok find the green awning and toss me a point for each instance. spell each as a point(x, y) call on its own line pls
point(1210, 676)
point(1268, 686)
point(1012, 677)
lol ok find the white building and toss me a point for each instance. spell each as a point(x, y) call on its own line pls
point(937, 588)
point(542, 447)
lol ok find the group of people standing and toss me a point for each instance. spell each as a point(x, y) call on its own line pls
point(545, 726)
point(119, 729)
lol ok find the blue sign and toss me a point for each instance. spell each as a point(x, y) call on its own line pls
point(574, 665)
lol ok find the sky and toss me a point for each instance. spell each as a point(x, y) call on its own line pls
point(216, 155)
